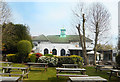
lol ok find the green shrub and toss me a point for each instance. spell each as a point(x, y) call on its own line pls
point(77, 60)
point(48, 55)
point(52, 61)
point(24, 48)
point(58, 61)
point(32, 58)
point(74, 59)
point(64, 60)
point(12, 58)
point(118, 60)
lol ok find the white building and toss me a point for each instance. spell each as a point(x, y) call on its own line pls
point(60, 45)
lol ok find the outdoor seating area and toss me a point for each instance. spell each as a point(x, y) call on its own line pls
point(64, 73)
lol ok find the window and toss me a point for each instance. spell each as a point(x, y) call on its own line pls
point(62, 52)
point(54, 52)
point(45, 51)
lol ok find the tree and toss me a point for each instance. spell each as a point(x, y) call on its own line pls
point(5, 12)
point(9, 38)
point(104, 47)
point(24, 47)
point(12, 34)
point(99, 22)
point(22, 32)
point(5, 15)
point(81, 29)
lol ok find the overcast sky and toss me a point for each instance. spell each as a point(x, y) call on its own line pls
point(48, 17)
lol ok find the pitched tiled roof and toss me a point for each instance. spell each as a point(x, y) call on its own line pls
point(40, 38)
point(58, 39)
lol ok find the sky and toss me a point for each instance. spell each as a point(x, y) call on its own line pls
point(48, 17)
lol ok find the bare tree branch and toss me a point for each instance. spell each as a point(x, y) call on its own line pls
point(99, 22)
point(5, 12)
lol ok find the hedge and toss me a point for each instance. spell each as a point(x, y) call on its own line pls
point(73, 59)
point(58, 61)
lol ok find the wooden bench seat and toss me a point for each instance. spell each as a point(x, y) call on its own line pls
point(15, 70)
point(71, 75)
point(21, 75)
point(11, 74)
point(104, 69)
point(71, 71)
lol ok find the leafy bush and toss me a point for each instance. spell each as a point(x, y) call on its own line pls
point(58, 61)
point(48, 55)
point(52, 61)
point(32, 58)
point(12, 57)
point(74, 59)
point(77, 60)
point(24, 48)
point(118, 60)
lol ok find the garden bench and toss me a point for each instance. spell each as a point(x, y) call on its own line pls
point(114, 72)
point(23, 69)
point(70, 65)
point(21, 75)
point(37, 65)
point(8, 63)
point(9, 79)
point(103, 67)
point(70, 70)
point(87, 79)
point(71, 75)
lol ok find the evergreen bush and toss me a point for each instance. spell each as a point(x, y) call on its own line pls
point(24, 47)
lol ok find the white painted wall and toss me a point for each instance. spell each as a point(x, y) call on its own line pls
point(58, 46)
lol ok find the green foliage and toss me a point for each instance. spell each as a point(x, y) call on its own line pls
point(24, 48)
point(32, 58)
point(77, 60)
point(52, 61)
point(12, 57)
point(9, 37)
point(118, 60)
point(74, 59)
point(12, 34)
point(48, 55)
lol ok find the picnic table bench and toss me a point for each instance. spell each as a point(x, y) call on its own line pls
point(9, 79)
point(8, 70)
point(37, 65)
point(8, 63)
point(103, 67)
point(87, 79)
point(71, 70)
point(70, 65)
point(114, 72)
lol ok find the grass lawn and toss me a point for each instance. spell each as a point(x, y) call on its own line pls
point(39, 74)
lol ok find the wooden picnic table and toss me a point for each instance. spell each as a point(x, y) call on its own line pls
point(71, 70)
point(104, 67)
point(10, 69)
point(41, 65)
point(98, 67)
point(8, 63)
point(70, 65)
point(87, 79)
point(114, 71)
point(9, 79)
